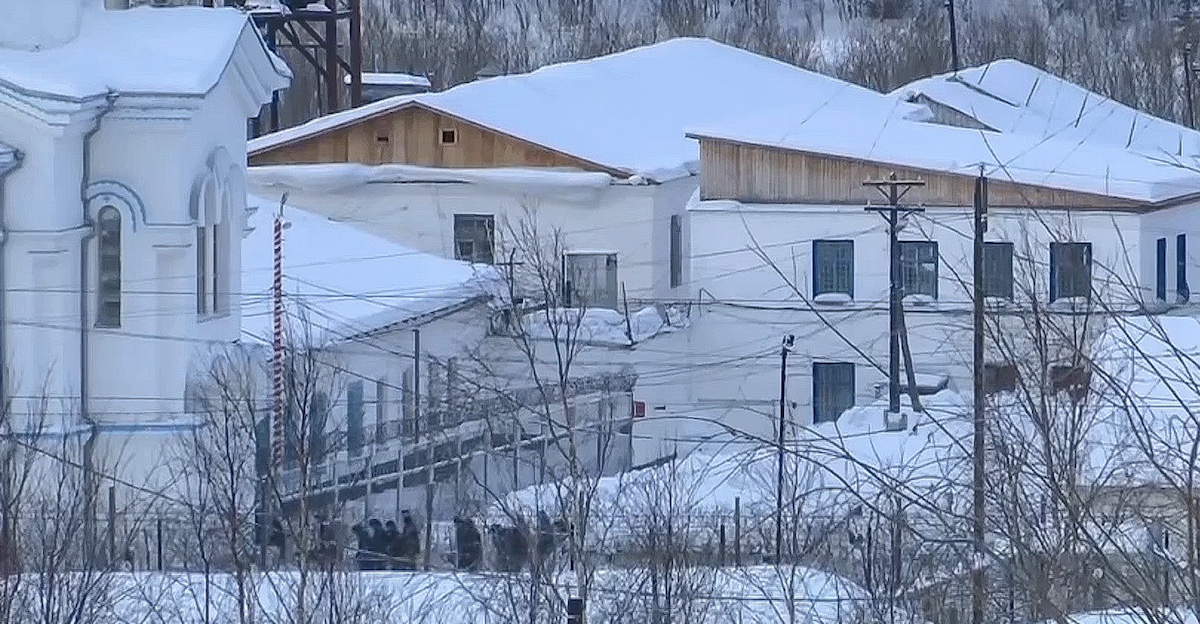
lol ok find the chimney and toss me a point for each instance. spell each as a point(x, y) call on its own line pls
point(40, 25)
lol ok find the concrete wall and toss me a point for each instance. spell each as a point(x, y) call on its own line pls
point(630, 220)
point(744, 306)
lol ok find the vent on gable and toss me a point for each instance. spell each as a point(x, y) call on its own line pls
point(449, 136)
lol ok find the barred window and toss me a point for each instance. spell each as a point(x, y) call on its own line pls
point(919, 268)
point(1070, 270)
point(998, 270)
point(833, 267)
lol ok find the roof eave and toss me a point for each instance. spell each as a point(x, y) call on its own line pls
point(419, 320)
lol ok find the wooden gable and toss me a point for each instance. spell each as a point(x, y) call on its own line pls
point(418, 135)
point(758, 174)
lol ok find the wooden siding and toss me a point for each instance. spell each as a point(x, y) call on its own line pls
point(759, 174)
point(413, 136)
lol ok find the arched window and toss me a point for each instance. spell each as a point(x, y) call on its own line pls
point(211, 255)
point(108, 313)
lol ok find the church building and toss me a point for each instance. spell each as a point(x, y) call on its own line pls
point(122, 211)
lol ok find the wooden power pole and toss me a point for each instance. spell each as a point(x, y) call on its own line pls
point(894, 190)
point(954, 62)
point(978, 579)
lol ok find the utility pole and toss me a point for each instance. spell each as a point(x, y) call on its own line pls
point(894, 190)
point(1188, 70)
point(279, 387)
point(788, 341)
point(978, 580)
point(954, 65)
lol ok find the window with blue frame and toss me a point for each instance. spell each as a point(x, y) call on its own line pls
point(1070, 271)
point(833, 390)
point(833, 267)
point(1160, 269)
point(1181, 282)
point(355, 435)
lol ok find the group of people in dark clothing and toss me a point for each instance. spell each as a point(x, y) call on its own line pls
point(383, 546)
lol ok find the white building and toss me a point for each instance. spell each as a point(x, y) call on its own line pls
point(596, 148)
point(408, 370)
point(122, 209)
point(1090, 212)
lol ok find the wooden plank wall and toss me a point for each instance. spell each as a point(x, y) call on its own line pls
point(768, 175)
point(413, 136)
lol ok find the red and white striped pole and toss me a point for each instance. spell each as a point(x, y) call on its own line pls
point(277, 320)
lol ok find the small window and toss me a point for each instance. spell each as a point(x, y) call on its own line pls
point(676, 251)
point(590, 280)
point(108, 313)
point(355, 436)
point(998, 270)
point(833, 390)
point(1182, 291)
point(382, 138)
point(1070, 270)
point(919, 268)
point(449, 136)
point(999, 378)
point(1071, 379)
point(201, 270)
point(318, 419)
point(1160, 269)
point(474, 238)
point(833, 267)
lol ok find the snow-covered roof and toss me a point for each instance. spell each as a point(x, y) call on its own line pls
point(1013, 97)
point(335, 177)
point(391, 79)
point(153, 51)
point(905, 140)
point(625, 111)
point(344, 282)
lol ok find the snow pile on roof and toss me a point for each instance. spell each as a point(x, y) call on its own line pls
point(596, 326)
point(391, 80)
point(1013, 97)
point(180, 51)
point(337, 177)
point(1058, 162)
point(343, 282)
point(626, 111)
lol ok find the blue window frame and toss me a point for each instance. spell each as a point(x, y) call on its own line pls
point(1181, 283)
point(1160, 269)
point(833, 267)
point(833, 390)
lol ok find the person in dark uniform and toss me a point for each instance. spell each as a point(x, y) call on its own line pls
point(470, 544)
point(545, 537)
point(410, 542)
point(362, 555)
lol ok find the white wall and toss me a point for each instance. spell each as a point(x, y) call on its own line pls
point(745, 307)
point(144, 161)
point(630, 220)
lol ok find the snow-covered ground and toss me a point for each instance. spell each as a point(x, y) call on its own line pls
point(703, 596)
point(835, 465)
